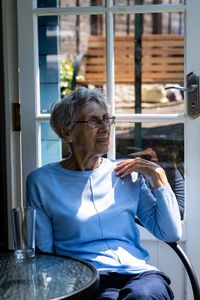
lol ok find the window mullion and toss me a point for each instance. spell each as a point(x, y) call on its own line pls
point(110, 70)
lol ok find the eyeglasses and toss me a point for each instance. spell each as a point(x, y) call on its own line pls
point(95, 122)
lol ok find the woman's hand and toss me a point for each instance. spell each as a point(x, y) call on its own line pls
point(145, 167)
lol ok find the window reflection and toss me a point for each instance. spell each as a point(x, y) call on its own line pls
point(161, 143)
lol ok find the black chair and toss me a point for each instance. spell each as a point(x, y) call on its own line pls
point(187, 264)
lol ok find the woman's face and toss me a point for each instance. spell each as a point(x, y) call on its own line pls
point(91, 141)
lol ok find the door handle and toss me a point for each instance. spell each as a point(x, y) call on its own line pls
point(193, 104)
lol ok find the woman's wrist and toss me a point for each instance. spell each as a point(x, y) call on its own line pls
point(159, 178)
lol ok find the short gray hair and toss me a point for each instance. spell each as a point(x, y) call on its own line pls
point(65, 113)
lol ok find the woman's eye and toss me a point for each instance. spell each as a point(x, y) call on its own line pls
point(94, 120)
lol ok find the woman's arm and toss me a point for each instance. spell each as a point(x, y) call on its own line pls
point(159, 213)
point(43, 234)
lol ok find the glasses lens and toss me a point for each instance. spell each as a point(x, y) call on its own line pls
point(107, 121)
point(111, 120)
point(96, 122)
point(93, 122)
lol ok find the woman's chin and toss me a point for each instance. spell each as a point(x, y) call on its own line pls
point(103, 149)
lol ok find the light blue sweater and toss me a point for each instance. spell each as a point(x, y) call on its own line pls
point(90, 215)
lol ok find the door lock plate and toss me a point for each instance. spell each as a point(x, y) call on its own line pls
point(193, 101)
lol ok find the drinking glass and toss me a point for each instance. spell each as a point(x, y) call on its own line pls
point(23, 226)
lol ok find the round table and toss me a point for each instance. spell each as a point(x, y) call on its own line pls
point(46, 277)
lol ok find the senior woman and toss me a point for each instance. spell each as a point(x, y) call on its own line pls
point(86, 204)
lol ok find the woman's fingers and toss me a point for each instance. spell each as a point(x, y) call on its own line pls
point(126, 167)
point(123, 163)
point(139, 165)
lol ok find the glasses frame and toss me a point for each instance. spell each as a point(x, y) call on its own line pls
point(99, 122)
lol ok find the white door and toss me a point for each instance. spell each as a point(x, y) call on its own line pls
point(39, 145)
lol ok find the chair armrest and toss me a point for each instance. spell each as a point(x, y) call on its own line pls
point(189, 268)
point(187, 264)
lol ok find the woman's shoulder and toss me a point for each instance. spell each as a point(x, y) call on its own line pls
point(135, 176)
point(110, 163)
point(42, 171)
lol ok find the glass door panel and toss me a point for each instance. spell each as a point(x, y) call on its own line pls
point(146, 62)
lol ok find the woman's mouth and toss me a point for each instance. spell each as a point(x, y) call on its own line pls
point(102, 140)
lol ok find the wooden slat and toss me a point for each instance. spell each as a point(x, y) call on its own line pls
point(162, 59)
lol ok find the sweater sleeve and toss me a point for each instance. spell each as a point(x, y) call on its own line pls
point(159, 213)
point(44, 235)
point(176, 182)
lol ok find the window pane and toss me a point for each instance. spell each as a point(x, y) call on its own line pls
point(49, 64)
point(160, 143)
point(167, 140)
point(139, 2)
point(66, 3)
point(50, 144)
point(149, 56)
point(81, 52)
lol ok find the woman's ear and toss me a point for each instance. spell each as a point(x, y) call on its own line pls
point(66, 135)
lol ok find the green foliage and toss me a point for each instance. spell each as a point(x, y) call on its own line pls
point(66, 75)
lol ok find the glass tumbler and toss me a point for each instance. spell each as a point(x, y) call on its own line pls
point(23, 227)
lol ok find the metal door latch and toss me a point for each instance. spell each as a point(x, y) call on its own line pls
point(193, 101)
